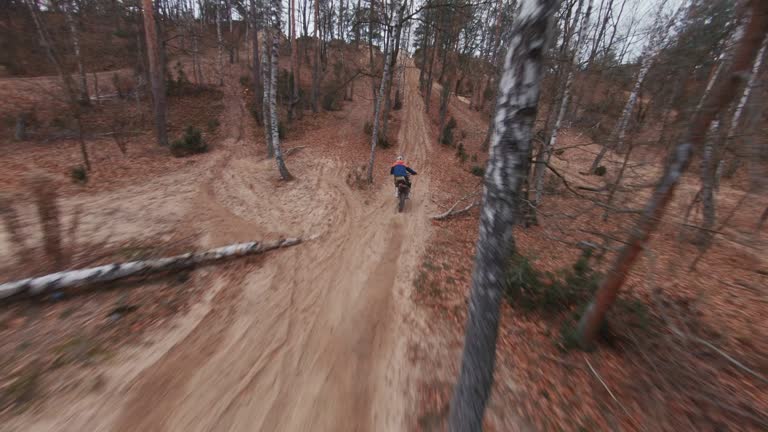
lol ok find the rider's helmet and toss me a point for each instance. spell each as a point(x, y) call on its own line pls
point(400, 157)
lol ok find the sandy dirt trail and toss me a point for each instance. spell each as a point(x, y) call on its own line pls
point(309, 338)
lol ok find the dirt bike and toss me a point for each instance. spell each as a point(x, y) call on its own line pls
point(403, 190)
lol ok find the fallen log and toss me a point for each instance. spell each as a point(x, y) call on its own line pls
point(111, 272)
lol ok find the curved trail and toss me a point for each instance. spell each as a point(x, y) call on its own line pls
point(309, 338)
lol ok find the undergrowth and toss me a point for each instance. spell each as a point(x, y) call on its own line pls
point(190, 143)
point(565, 294)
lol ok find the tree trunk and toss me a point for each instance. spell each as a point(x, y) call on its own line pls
point(275, 122)
point(115, 271)
point(82, 82)
point(377, 110)
point(219, 46)
point(428, 89)
point(256, 72)
point(388, 90)
point(295, 71)
point(155, 72)
point(648, 56)
point(316, 61)
point(266, 71)
point(546, 154)
point(678, 162)
point(507, 167)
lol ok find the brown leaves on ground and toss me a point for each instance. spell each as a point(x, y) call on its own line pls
point(651, 375)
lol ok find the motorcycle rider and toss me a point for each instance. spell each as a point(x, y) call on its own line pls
point(400, 170)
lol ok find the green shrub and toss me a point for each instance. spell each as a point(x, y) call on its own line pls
point(547, 292)
point(478, 171)
point(474, 157)
point(79, 174)
point(384, 143)
point(368, 128)
point(280, 129)
point(451, 123)
point(461, 153)
point(600, 171)
point(245, 80)
point(190, 143)
point(213, 124)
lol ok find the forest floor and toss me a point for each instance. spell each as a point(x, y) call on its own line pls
point(314, 337)
point(687, 348)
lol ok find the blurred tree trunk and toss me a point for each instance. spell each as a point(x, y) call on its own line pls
point(388, 90)
point(220, 45)
point(266, 72)
point(428, 88)
point(582, 20)
point(256, 72)
point(274, 117)
point(295, 71)
point(677, 164)
point(507, 168)
point(377, 106)
point(316, 61)
point(155, 72)
point(82, 82)
point(648, 56)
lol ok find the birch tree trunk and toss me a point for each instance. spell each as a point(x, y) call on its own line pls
point(507, 168)
point(428, 88)
point(712, 157)
point(266, 72)
point(296, 70)
point(82, 82)
point(273, 113)
point(677, 164)
point(546, 154)
point(155, 72)
point(377, 110)
point(316, 61)
point(388, 90)
point(256, 73)
point(648, 56)
point(220, 45)
point(112, 272)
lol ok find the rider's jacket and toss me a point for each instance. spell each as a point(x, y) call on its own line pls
point(400, 169)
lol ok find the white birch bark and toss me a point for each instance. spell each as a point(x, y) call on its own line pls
point(112, 272)
point(747, 91)
point(377, 110)
point(648, 56)
point(518, 98)
point(266, 69)
point(273, 113)
point(546, 154)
